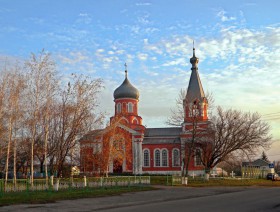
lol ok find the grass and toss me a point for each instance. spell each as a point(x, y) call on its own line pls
point(232, 182)
point(52, 196)
point(199, 182)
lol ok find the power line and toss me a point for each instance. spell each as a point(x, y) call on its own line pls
point(270, 114)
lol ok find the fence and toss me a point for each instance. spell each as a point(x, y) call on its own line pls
point(67, 183)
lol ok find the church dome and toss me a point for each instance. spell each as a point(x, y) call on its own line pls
point(126, 90)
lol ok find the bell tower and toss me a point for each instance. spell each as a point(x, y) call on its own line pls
point(195, 102)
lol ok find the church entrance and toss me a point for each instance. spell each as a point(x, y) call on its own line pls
point(117, 168)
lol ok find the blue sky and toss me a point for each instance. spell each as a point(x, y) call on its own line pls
point(237, 42)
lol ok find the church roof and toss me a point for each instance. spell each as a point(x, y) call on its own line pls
point(169, 135)
point(158, 132)
point(126, 90)
point(195, 89)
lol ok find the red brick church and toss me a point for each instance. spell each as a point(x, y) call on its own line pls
point(126, 145)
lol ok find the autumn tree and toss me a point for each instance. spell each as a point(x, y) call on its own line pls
point(12, 113)
point(39, 109)
point(73, 115)
point(39, 70)
point(3, 126)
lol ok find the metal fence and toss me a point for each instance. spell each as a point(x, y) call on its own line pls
point(68, 183)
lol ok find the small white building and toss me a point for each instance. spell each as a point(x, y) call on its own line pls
point(256, 169)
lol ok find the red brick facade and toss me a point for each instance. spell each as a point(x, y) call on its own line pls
point(147, 150)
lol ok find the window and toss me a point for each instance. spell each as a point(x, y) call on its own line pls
point(118, 144)
point(135, 121)
point(146, 157)
point(197, 158)
point(119, 107)
point(157, 158)
point(130, 107)
point(176, 157)
point(164, 157)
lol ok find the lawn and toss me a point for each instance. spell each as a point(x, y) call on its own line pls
point(52, 196)
point(200, 182)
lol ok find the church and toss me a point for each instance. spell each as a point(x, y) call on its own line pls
point(127, 146)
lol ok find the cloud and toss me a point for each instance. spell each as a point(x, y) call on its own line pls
point(179, 61)
point(84, 18)
point(142, 56)
point(222, 15)
point(73, 58)
point(143, 4)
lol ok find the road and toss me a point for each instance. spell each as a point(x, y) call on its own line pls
point(171, 199)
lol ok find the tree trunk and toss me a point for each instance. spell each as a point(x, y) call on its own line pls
point(207, 174)
point(8, 154)
point(15, 164)
point(45, 155)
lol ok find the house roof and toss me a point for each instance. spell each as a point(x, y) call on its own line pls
point(258, 162)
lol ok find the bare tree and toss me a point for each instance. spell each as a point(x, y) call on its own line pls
point(232, 131)
point(177, 113)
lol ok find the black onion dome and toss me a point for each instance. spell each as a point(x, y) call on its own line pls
point(126, 90)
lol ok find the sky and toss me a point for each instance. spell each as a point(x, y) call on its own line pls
point(237, 43)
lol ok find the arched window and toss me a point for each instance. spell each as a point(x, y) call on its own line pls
point(164, 158)
point(135, 121)
point(119, 107)
point(176, 157)
point(197, 158)
point(124, 109)
point(130, 107)
point(146, 157)
point(157, 157)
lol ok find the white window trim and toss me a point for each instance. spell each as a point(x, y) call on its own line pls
point(167, 157)
point(173, 162)
point(130, 104)
point(119, 108)
point(148, 158)
point(123, 118)
point(155, 157)
point(136, 120)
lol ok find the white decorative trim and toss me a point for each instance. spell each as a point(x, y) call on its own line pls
point(137, 122)
point(149, 159)
point(178, 157)
point(155, 157)
point(167, 157)
point(129, 104)
point(119, 108)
